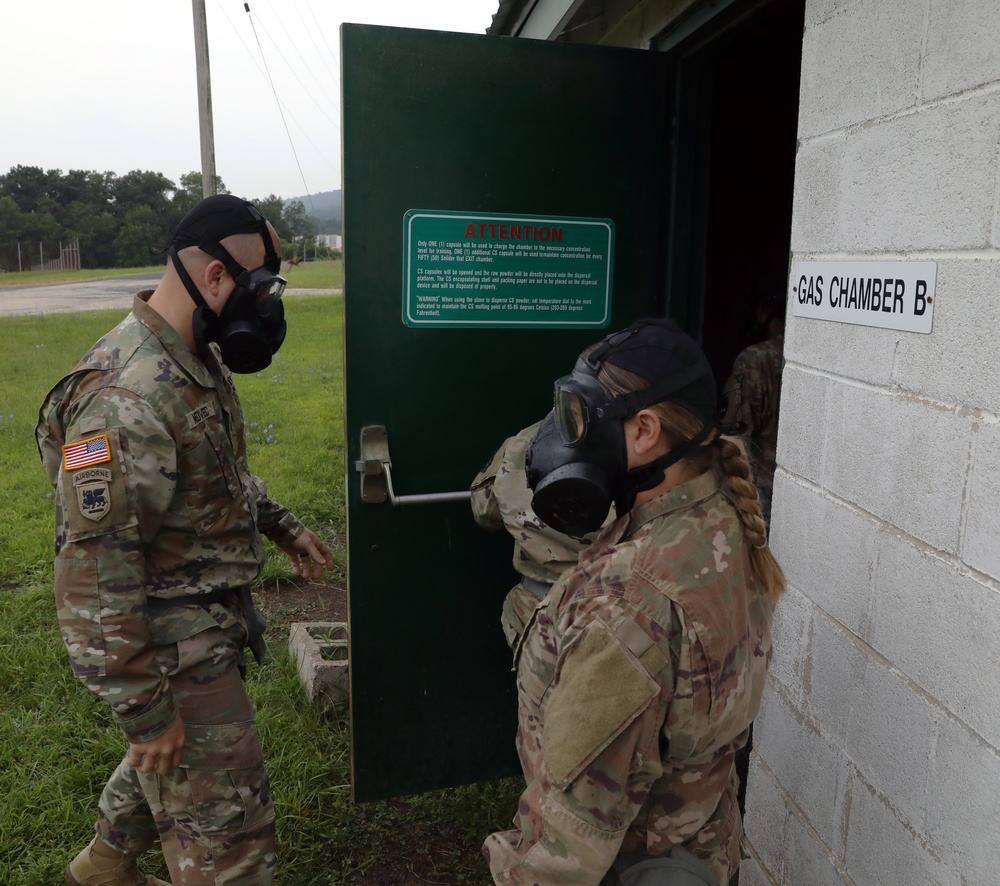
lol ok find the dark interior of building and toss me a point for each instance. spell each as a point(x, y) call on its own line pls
point(752, 73)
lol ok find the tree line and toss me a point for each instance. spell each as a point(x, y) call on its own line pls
point(120, 220)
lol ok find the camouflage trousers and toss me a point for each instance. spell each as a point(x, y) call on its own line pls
point(518, 606)
point(213, 815)
point(675, 868)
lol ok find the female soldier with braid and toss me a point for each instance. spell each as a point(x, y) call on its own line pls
point(639, 674)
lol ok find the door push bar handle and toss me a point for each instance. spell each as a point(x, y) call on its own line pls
point(375, 468)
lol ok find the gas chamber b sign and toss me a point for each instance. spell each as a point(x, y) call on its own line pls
point(887, 294)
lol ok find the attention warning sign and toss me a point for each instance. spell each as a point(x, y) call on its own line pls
point(506, 270)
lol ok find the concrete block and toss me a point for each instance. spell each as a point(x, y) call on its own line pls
point(900, 459)
point(863, 353)
point(810, 534)
point(834, 668)
point(802, 437)
point(960, 50)
point(752, 875)
point(891, 738)
point(815, 203)
point(320, 652)
point(790, 639)
point(766, 822)
point(982, 523)
point(939, 628)
point(924, 180)
point(956, 362)
point(965, 803)
point(809, 862)
point(808, 767)
point(885, 849)
point(818, 11)
point(859, 66)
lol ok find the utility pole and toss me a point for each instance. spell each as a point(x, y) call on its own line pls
point(204, 99)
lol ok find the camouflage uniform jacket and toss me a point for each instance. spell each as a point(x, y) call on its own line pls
point(752, 395)
point(144, 445)
point(638, 677)
point(501, 499)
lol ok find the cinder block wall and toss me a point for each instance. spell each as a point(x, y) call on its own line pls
point(878, 749)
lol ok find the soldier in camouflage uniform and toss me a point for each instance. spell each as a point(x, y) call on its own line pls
point(752, 396)
point(501, 499)
point(640, 672)
point(158, 536)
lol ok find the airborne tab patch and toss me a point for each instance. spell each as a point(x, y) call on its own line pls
point(85, 453)
point(93, 493)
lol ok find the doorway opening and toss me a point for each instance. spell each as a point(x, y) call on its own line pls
point(736, 126)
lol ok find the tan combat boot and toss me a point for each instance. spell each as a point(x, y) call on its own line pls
point(100, 865)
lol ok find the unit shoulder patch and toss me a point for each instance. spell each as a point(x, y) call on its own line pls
point(93, 492)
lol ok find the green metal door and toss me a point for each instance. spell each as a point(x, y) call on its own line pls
point(521, 140)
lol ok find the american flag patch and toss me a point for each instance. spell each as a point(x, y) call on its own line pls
point(86, 453)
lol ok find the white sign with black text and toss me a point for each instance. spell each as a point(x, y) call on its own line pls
point(889, 294)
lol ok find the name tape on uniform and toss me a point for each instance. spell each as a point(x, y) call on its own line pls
point(887, 294)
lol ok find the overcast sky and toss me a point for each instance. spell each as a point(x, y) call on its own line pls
point(110, 85)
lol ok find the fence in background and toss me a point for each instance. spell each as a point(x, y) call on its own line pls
point(43, 255)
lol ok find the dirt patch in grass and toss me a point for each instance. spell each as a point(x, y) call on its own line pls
point(427, 852)
point(286, 603)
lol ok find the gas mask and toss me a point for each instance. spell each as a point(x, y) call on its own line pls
point(251, 326)
point(577, 463)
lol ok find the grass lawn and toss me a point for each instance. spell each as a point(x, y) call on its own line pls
point(34, 278)
point(57, 741)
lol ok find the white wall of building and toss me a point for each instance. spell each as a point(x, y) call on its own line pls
point(878, 749)
point(334, 241)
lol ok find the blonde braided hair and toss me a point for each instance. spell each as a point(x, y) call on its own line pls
point(726, 457)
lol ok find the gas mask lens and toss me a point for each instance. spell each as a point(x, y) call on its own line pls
point(570, 413)
point(267, 289)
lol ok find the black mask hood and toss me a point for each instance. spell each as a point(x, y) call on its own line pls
point(251, 327)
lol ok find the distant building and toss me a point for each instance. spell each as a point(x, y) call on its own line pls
point(331, 241)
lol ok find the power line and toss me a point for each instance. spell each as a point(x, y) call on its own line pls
point(302, 129)
point(305, 88)
point(305, 64)
point(277, 101)
point(322, 32)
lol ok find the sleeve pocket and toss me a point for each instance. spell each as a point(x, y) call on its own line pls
point(599, 692)
point(99, 499)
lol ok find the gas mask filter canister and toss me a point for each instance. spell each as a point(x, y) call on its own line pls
point(572, 490)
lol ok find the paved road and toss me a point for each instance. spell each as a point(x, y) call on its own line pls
point(111, 292)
